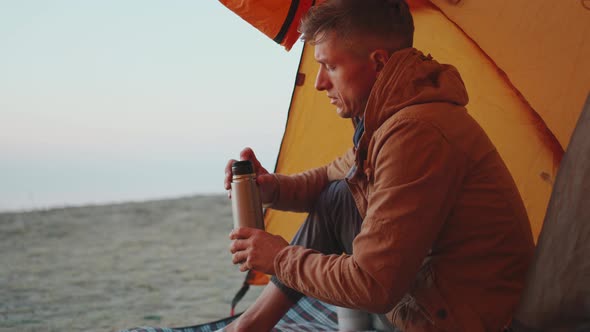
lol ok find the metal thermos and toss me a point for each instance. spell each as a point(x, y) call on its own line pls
point(245, 196)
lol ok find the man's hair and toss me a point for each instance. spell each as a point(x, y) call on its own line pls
point(384, 24)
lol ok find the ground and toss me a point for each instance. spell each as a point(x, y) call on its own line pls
point(106, 268)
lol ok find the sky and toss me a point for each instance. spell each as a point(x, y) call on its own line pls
point(112, 101)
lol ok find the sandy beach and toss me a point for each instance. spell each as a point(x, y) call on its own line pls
point(111, 267)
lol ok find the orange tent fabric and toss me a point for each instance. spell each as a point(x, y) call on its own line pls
point(277, 19)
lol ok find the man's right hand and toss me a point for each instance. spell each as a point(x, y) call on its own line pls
point(267, 183)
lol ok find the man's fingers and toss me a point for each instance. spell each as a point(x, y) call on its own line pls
point(240, 251)
point(242, 233)
point(245, 267)
point(239, 257)
point(238, 245)
point(228, 175)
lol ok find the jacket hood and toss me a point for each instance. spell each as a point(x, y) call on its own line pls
point(411, 78)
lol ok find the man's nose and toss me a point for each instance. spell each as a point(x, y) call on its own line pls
point(321, 81)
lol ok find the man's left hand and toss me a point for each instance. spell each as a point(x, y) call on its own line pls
point(255, 249)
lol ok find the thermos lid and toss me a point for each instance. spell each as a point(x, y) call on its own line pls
point(242, 167)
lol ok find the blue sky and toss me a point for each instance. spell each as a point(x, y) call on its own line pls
point(108, 101)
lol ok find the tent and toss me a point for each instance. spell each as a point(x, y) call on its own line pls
point(526, 66)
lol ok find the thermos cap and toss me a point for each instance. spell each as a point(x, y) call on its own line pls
point(242, 167)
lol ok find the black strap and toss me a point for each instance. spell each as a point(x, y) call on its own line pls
point(288, 20)
point(240, 294)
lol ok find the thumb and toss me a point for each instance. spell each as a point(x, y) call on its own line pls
point(248, 154)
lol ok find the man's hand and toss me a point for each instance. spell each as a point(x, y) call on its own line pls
point(266, 182)
point(255, 249)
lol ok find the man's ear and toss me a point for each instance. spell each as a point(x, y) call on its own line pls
point(379, 58)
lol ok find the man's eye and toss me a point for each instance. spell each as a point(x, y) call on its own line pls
point(330, 68)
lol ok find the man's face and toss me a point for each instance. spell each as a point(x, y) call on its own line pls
point(346, 76)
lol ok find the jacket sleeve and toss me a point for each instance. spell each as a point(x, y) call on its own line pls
point(298, 192)
point(416, 174)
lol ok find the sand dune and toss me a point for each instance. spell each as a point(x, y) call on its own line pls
point(105, 268)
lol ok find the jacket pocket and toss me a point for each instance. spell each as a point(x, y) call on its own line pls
point(424, 308)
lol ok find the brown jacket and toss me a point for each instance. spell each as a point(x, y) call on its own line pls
point(445, 241)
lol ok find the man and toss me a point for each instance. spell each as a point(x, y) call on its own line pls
point(420, 220)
